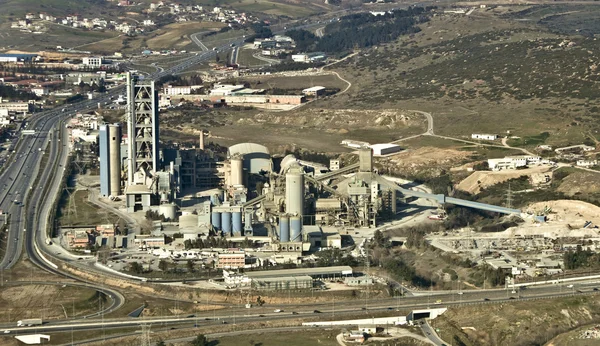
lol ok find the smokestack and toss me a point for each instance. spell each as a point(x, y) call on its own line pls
point(201, 139)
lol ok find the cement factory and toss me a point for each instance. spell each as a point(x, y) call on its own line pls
point(285, 202)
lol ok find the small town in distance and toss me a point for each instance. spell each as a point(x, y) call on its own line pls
point(266, 173)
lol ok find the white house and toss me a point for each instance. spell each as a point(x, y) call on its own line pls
point(513, 162)
point(92, 61)
point(486, 137)
point(587, 163)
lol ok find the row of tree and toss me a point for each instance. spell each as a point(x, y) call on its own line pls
point(362, 30)
point(10, 93)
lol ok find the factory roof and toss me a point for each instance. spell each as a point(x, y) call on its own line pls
point(137, 189)
point(340, 270)
point(284, 278)
point(256, 157)
point(247, 148)
point(19, 55)
point(315, 88)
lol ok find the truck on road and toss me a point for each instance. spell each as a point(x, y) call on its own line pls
point(29, 322)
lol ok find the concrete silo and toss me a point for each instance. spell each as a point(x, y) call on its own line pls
point(237, 170)
point(114, 144)
point(296, 228)
point(168, 210)
point(215, 220)
point(237, 223)
point(284, 228)
point(294, 190)
point(226, 222)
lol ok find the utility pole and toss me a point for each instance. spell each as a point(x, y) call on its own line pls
point(368, 274)
point(509, 197)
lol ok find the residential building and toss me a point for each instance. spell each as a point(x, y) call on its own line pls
point(93, 61)
point(486, 137)
point(587, 163)
point(17, 107)
point(231, 260)
point(177, 90)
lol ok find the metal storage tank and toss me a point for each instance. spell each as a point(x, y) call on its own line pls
point(237, 222)
point(296, 228)
point(237, 170)
point(226, 222)
point(114, 143)
point(248, 222)
point(294, 190)
point(284, 228)
point(215, 220)
point(168, 210)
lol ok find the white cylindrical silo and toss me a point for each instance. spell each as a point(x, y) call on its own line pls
point(294, 191)
point(296, 228)
point(284, 228)
point(114, 144)
point(237, 171)
point(168, 210)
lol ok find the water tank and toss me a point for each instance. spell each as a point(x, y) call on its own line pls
point(164, 197)
point(215, 220)
point(294, 190)
point(237, 171)
point(237, 223)
point(226, 223)
point(168, 210)
point(284, 228)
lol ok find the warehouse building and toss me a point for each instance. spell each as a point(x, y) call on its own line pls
point(14, 58)
point(283, 283)
point(385, 149)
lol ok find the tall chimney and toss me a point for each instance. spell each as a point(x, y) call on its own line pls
point(201, 139)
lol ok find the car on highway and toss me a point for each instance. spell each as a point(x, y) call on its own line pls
point(316, 312)
point(570, 286)
point(6, 331)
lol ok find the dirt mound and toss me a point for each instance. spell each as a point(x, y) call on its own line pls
point(580, 182)
point(426, 160)
point(338, 118)
point(483, 179)
point(572, 212)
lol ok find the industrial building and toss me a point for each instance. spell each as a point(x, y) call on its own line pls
point(15, 58)
point(143, 141)
point(384, 149)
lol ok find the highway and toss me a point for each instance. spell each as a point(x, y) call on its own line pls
point(327, 311)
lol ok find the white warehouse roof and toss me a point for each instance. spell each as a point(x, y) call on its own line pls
point(312, 89)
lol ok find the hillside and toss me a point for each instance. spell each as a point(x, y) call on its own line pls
point(486, 72)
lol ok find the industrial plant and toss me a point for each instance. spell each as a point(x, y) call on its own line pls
point(291, 206)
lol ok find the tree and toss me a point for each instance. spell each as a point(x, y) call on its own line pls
point(190, 266)
point(163, 265)
point(136, 267)
point(200, 340)
point(260, 301)
point(161, 343)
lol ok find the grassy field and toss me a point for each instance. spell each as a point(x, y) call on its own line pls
point(78, 211)
point(246, 59)
point(317, 337)
point(172, 36)
point(45, 301)
point(57, 35)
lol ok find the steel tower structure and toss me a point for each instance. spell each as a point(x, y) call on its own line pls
point(142, 127)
